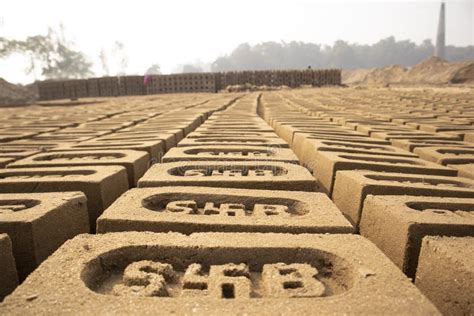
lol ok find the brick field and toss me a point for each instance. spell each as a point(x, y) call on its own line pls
point(304, 201)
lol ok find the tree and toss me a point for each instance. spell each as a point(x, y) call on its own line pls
point(51, 55)
point(189, 68)
point(154, 69)
point(299, 55)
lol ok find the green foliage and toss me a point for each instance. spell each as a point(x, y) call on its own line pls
point(52, 55)
point(299, 55)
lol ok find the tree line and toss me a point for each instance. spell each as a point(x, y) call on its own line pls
point(53, 56)
point(300, 55)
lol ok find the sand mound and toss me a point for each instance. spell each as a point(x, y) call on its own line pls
point(433, 70)
point(14, 95)
point(351, 76)
point(389, 74)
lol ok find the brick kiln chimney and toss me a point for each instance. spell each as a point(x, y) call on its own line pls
point(441, 35)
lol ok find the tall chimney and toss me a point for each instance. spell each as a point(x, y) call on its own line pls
point(441, 36)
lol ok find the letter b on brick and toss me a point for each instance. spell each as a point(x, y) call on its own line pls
point(291, 280)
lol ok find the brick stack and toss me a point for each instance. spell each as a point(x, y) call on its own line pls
point(340, 201)
point(180, 83)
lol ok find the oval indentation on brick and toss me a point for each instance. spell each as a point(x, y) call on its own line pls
point(218, 273)
point(221, 204)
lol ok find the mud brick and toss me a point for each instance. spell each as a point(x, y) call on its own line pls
point(466, 170)
point(135, 162)
point(447, 128)
point(414, 135)
point(35, 144)
point(236, 129)
point(169, 139)
point(352, 187)
point(236, 125)
point(194, 209)
point(38, 223)
point(412, 144)
point(310, 148)
point(469, 137)
point(300, 138)
point(5, 161)
point(235, 119)
point(369, 129)
point(101, 185)
point(155, 149)
point(397, 224)
point(288, 132)
point(442, 260)
point(234, 134)
point(62, 138)
point(149, 131)
point(233, 141)
point(249, 175)
point(328, 163)
point(218, 273)
point(230, 153)
point(7, 137)
point(8, 273)
point(104, 126)
point(446, 155)
point(16, 153)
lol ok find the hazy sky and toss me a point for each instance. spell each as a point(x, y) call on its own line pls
point(180, 31)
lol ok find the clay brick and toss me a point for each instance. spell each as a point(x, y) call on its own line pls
point(352, 187)
point(155, 149)
point(135, 162)
point(412, 144)
point(447, 128)
point(469, 137)
point(300, 138)
point(62, 138)
point(38, 223)
point(287, 132)
point(328, 163)
point(249, 175)
point(195, 209)
point(16, 153)
point(310, 148)
point(230, 153)
point(238, 140)
point(102, 185)
point(369, 129)
point(442, 261)
point(5, 161)
point(413, 135)
point(8, 274)
point(446, 155)
point(151, 130)
point(169, 139)
point(34, 144)
point(233, 134)
point(218, 274)
point(466, 170)
point(236, 129)
point(397, 224)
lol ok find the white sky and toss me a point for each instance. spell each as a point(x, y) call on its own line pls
point(179, 31)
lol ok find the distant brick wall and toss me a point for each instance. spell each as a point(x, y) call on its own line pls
point(180, 83)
